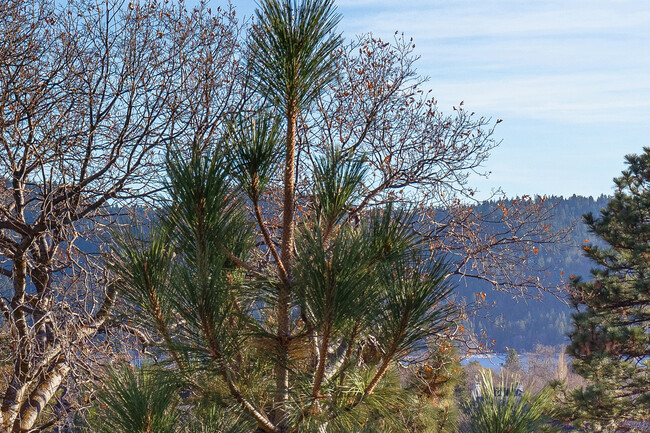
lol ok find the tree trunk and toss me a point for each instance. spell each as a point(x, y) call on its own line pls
point(284, 295)
point(15, 392)
point(45, 390)
point(13, 397)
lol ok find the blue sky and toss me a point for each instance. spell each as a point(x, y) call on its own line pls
point(570, 79)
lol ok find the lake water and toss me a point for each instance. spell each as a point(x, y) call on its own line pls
point(491, 360)
point(497, 360)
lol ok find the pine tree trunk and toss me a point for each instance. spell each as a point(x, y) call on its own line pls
point(284, 292)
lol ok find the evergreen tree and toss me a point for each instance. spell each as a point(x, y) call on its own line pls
point(309, 340)
point(512, 361)
point(611, 338)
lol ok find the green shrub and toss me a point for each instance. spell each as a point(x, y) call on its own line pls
point(505, 409)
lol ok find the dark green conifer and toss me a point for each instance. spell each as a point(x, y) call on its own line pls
point(610, 342)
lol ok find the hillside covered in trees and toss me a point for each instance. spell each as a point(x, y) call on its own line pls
point(514, 321)
point(522, 323)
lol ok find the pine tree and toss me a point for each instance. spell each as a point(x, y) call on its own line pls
point(309, 340)
point(513, 365)
point(611, 337)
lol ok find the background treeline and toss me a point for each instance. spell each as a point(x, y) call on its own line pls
point(522, 323)
point(516, 322)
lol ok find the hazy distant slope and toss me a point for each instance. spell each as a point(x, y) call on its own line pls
point(522, 324)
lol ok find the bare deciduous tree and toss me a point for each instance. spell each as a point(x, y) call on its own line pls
point(419, 156)
point(91, 94)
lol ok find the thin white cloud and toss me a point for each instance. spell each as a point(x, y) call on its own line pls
point(489, 19)
point(570, 61)
point(566, 98)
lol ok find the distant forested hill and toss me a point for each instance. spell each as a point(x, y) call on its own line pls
point(522, 324)
point(515, 322)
